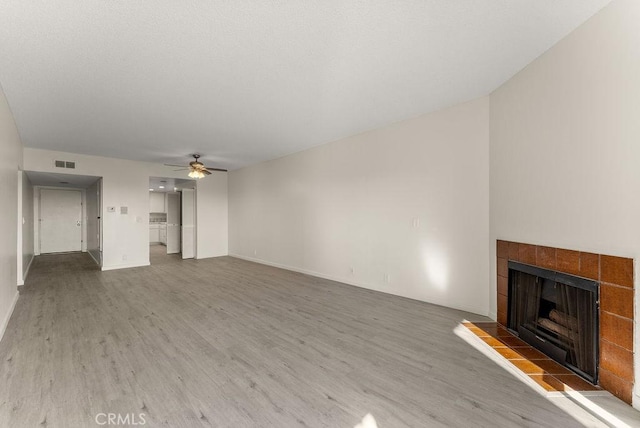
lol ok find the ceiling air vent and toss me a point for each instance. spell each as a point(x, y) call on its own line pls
point(65, 164)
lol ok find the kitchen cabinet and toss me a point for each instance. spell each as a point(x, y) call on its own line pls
point(154, 233)
point(163, 234)
point(157, 202)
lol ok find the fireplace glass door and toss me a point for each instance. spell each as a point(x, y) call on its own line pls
point(556, 313)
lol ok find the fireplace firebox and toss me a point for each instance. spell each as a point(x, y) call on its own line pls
point(557, 313)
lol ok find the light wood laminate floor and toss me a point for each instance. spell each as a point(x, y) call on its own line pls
point(229, 343)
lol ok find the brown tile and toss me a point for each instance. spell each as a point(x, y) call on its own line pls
point(527, 253)
point(530, 353)
point(520, 353)
point(510, 354)
point(576, 383)
point(540, 367)
point(616, 300)
point(484, 324)
point(503, 340)
point(618, 387)
point(617, 360)
point(589, 265)
point(503, 268)
point(568, 261)
point(503, 332)
point(502, 249)
point(503, 286)
point(528, 367)
point(616, 270)
point(479, 332)
point(502, 309)
point(512, 341)
point(616, 330)
point(546, 257)
point(548, 382)
point(494, 342)
point(513, 251)
point(552, 367)
point(486, 329)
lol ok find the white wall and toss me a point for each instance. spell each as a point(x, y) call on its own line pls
point(10, 163)
point(124, 183)
point(93, 232)
point(25, 226)
point(405, 206)
point(212, 216)
point(565, 146)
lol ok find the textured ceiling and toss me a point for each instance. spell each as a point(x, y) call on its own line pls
point(244, 81)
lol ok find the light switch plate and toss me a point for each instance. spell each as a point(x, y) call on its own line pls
point(111, 209)
point(124, 210)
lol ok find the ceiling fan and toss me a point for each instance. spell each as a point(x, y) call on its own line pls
point(196, 168)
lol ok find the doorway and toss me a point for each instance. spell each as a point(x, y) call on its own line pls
point(60, 220)
point(167, 197)
point(67, 213)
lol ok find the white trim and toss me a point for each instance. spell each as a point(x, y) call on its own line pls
point(5, 322)
point(26, 272)
point(125, 266)
point(346, 281)
point(493, 315)
point(304, 271)
point(94, 259)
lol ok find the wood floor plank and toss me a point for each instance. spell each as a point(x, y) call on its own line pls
point(228, 343)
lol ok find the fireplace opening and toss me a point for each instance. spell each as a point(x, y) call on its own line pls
point(557, 313)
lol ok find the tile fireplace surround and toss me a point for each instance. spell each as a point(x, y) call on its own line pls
point(615, 275)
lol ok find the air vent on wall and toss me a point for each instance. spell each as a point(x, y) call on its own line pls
point(65, 164)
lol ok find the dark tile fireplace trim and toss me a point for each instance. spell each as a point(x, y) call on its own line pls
point(615, 275)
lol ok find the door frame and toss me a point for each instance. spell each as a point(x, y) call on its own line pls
point(37, 221)
point(194, 227)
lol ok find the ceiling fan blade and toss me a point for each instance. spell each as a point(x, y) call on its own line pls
point(181, 169)
point(205, 171)
point(216, 169)
point(169, 164)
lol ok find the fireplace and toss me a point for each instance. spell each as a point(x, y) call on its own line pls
point(614, 317)
point(556, 313)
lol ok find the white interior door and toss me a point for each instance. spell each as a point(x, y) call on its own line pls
point(188, 224)
point(60, 220)
point(173, 223)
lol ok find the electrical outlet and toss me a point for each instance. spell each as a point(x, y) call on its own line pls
point(124, 257)
point(386, 277)
point(255, 252)
point(352, 270)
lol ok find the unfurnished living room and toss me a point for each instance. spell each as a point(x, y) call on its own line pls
point(319, 213)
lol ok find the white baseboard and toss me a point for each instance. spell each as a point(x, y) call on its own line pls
point(493, 315)
point(305, 271)
point(347, 281)
point(93, 257)
point(5, 321)
point(125, 266)
point(22, 279)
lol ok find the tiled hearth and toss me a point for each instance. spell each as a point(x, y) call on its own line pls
point(542, 370)
point(615, 275)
